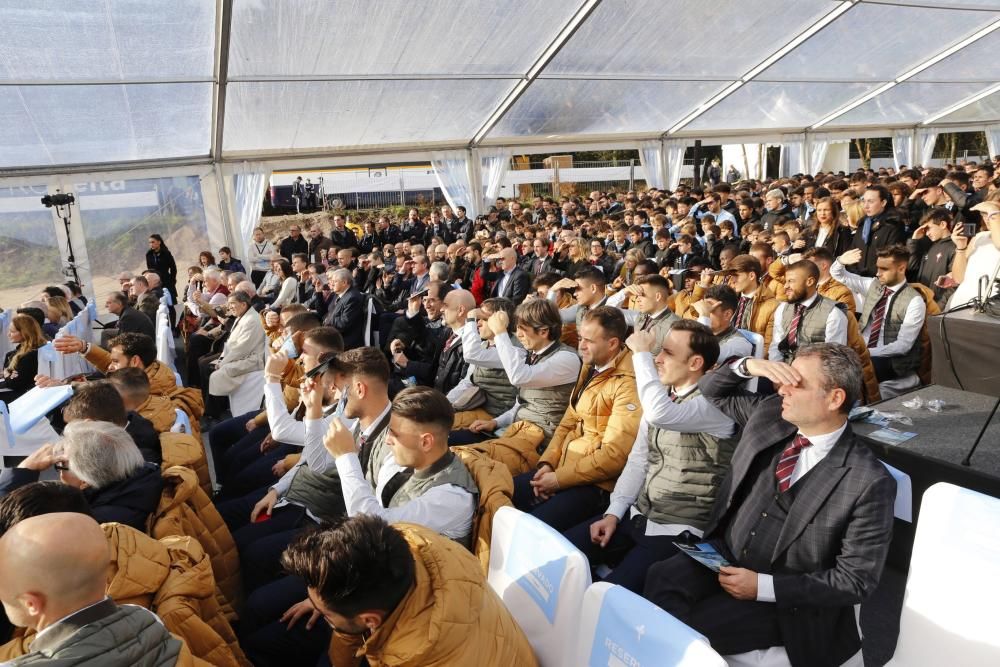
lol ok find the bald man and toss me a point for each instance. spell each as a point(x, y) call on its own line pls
point(510, 281)
point(447, 366)
point(56, 586)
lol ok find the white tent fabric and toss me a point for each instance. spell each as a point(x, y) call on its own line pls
point(993, 140)
point(651, 159)
point(249, 182)
point(495, 162)
point(452, 170)
point(819, 145)
point(902, 148)
point(792, 157)
point(925, 145)
point(674, 151)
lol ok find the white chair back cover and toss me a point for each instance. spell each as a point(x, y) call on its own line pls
point(949, 608)
point(621, 629)
point(758, 353)
point(541, 579)
point(182, 423)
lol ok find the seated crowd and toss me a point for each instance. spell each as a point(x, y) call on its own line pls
point(634, 370)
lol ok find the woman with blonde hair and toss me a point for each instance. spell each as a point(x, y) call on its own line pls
point(21, 364)
point(59, 312)
point(578, 255)
point(633, 258)
point(829, 232)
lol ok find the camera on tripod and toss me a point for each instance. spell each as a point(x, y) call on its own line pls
point(59, 199)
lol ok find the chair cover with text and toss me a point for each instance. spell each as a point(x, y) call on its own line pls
point(620, 629)
point(541, 579)
point(949, 609)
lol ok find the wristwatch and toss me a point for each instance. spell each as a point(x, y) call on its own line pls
point(742, 367)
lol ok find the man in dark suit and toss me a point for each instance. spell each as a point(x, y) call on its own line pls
point(542, 263)
point(804, 516)
point(348, 314)
point(130, 320)
point(510, 281)
point(880, 228)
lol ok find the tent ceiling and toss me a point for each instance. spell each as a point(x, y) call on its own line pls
point(114, 81)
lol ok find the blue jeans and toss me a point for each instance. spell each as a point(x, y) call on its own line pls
point(563, 510)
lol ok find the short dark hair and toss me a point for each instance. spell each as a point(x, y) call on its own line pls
point(725, 295)
point(611, 320)
point(135, 345)
point(592, 274)
point(326, 338)
point(96, 401)
point(39, 498)
point(883, 193)
point(811, 270)
point(120, 297)
point(940, 216)
point(306, 321)
point(301, 255)
point(703, 342)
point(896, 252)
point(131, 382)
point(368, 362)
point(819, 252)
point(654, 280)
point(424, 405)
point(354, 564)
point(498, 303)
point(746, 264)
point(538, 314)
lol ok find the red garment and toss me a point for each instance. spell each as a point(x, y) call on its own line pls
point(479, 287)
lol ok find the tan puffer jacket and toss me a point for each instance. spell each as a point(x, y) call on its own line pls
point(185, 509)
point(181, 449)
point(496, 490)
point(450, 618)
point(172, 578)
point(159, 411)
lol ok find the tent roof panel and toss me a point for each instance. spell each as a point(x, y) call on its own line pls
point(302, 115)
point(52, 40)
point(679, 38)
point(981, 111)
point(389, 37)
point(907, 103)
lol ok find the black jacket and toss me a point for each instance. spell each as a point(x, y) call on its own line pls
point(163, 263)
point(516, 288)
point(777, 217)
point(348, 316)
point(129, 501)
point(27, 369)
point(290, 246)
point(132, 321)
point(145, 437)
point(886, 230)
point(446, 367)
point(344, 238)
point(929, 260)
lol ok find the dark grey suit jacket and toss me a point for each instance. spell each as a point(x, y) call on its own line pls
point(348, 316)
point(832, 547)
point(517, 287)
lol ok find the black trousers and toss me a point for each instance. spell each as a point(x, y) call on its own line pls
point(691, 592)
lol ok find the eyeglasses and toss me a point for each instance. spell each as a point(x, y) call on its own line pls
point(61, 466)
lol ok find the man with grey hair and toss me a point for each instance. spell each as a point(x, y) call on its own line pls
point(778, 211)
point(348, 312)
point(804, 516)
point(130, 320)
point(510, 281)
point(440, 271)
point(102, 460)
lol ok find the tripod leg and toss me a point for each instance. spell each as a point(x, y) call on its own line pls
point(968, 457)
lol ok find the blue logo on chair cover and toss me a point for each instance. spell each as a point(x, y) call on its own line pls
point(632, 632)
point(532, 541)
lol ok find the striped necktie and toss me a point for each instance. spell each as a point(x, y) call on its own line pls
point(793, 330)
point(740, 312)
point(786, 464)
point(878, 315)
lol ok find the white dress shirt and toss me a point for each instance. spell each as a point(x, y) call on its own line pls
point(446, 509)
point(836, 327)
point(909, 329)
point(809, 457)
point(568, 314)
point(559, 368)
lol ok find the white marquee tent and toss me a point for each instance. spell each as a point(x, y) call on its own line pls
point(178, 111)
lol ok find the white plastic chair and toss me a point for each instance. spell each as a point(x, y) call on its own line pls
point(617, 628)
point(758, 353)
point(949, 607)
point(541, 578)
point(182, 424)
point(5, 344)
point(50, 362)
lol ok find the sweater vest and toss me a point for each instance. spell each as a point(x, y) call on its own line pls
point(895, 312)
point(683, 474)
point(545, 406)
point(449, 469)
point(812, 326)
point(659, 325)
point(500, 393)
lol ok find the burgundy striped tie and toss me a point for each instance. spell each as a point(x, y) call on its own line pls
point(786, 464)
point(877, 317)
point(793, 330)
point(738, 320)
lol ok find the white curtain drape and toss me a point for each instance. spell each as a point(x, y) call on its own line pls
point(993, 140)
point(673, 151)
point(495, 163)
point(651, 159)
point(453, 172)
point(819, 144)
point(792, 157)
point(902, 148)
point(249, 181)
point(925, 144)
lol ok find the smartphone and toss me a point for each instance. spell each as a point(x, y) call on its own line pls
point(263, 516)
point(970, 229)
point(422, 293)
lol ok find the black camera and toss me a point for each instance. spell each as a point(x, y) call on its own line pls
point(57, 200)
